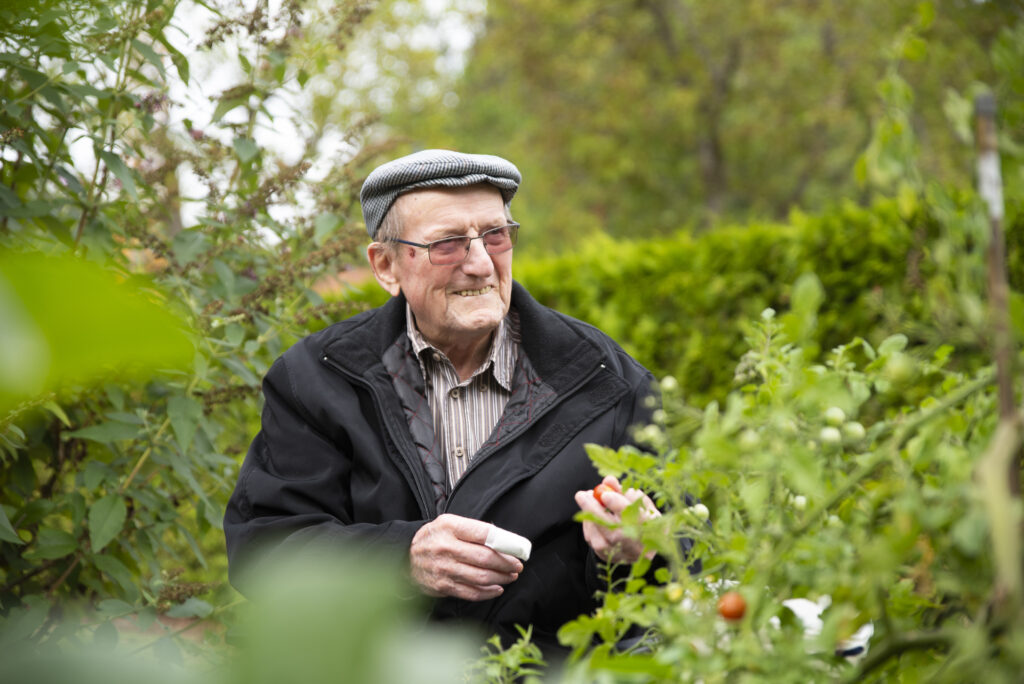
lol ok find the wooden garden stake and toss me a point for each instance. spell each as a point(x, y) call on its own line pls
point(998, 471)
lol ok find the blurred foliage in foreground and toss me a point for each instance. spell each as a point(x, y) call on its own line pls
point(306, 626)
point(154, 260)
point(203, 243)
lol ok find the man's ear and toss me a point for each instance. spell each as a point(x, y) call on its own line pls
point(382, 260)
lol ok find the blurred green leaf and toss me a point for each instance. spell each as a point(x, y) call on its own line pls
point(51, 543)
point(110, 431)
point(117, 571)
point(246, 149)
point(185, 414)
point(7, 531)
point(121, 172)
point(91, 323)
point(190, 608)
point(115, 607)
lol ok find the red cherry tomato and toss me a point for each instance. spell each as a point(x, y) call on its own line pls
point(600, 490)
point(732, 605)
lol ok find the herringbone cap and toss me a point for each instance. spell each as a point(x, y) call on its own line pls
point(432, 169)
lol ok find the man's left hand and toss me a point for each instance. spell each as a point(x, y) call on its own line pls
point(611, 545)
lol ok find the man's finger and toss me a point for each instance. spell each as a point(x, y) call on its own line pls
point(588, 503)
point(485, 557)
point(466, 529)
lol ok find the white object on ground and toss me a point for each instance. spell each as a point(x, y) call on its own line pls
point(809, 614)
point(511, 543)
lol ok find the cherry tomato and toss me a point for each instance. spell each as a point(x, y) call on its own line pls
point(600, 490)
point(732, 605)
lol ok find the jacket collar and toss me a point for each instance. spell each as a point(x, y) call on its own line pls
point(559, 352)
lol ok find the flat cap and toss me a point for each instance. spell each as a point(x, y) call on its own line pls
point(432, 169)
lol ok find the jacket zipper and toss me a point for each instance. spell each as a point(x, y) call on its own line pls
point(415, 468)
point(483, 456)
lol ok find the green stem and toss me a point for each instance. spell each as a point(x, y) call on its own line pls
point(119, 86)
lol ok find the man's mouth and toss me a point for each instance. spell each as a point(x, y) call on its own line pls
point(474, 293)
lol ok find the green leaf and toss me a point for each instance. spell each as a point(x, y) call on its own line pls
point(177, 58)
point(117, 571)
point(151, 56)
point(184, 413)
point(96, 473)
point(241, 370)
point(7, 531)
point(189, 244)
point(24, 351)
point(324, 225)
point(121, 171)
point(51, 543)
point(105, 433)
point(106, 519)
point(246, 149)
point(892, 344)
point(192, 607)
point(67, 321)
point(54, 408)
point(808, 294)
point(8, 198)
point(115, 607)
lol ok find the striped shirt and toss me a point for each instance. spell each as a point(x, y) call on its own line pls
point(465, 412)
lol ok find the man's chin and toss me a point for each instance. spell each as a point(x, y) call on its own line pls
point(480, 320)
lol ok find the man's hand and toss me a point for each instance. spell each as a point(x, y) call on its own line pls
point(449, 558)
point(610, 544)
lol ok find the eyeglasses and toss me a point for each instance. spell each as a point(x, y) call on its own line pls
point(454, 250)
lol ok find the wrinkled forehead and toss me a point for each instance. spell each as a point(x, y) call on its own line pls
point(450, 207)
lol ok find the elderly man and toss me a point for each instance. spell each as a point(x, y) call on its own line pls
point(460, 405)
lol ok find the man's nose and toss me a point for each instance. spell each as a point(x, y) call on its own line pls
point(478, 261)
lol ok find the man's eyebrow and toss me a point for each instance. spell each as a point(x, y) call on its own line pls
point(442, 231)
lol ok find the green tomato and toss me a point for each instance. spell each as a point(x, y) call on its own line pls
point(899, 369)
point(749, 439)
point(835, 416)
point(800, 502)
point(830, 436)
point(854, 431)
point(700, 511)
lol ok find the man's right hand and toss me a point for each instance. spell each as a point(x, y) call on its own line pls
point(449, 558)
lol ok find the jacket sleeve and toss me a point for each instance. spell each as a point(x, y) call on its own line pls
point(293, 488)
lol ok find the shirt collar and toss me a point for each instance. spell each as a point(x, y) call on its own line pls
point(501, 358)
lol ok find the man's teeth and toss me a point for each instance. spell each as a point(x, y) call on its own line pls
point(473, 293)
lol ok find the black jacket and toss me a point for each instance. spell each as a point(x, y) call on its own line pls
point(335, 459)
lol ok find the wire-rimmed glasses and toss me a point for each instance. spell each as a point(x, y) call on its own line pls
point(454, 250)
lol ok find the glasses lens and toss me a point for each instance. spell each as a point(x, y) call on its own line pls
point(501, 239)
point(448, 251)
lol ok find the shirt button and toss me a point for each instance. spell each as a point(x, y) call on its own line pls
point(455, 393)
point(459, 452)
point(437, 356)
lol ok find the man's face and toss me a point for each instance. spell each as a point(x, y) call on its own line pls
point(458, 304)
